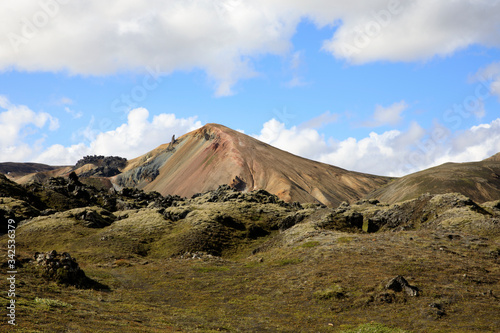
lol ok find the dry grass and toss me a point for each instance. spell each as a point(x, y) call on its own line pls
point(333, 286)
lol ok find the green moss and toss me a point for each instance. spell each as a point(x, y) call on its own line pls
point(334, 292)
point(290, 261)
point(310, 244)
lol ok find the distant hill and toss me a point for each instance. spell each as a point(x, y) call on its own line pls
point(213, 155)
point(479, 181)
point(13, 169)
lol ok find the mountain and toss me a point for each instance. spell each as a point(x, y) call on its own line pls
point(213, 155)
point(479, 181)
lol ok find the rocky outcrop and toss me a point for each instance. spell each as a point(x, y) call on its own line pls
point(238, 184)
point(112, 162)
point(92, 219)
point(100, 166)
point(63, 269)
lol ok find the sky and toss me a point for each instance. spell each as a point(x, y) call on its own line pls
point(382, 87)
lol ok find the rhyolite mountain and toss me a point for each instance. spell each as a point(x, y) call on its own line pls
point(203, 159)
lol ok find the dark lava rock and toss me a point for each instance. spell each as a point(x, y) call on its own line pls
point(93, 219)
point(290, 220)
point(399, 284)
point(111, 162)
point(436, 310)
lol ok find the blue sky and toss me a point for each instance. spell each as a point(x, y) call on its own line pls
point(384, 87)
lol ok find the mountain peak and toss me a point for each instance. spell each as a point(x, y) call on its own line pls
point(213, 127)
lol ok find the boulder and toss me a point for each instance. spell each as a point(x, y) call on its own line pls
point(399, 284)
point(61, 268)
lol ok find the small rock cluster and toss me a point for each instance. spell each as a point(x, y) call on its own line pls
point(61, 268)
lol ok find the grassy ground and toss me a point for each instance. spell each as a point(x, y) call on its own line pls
point(325, 281)
point(244, 265)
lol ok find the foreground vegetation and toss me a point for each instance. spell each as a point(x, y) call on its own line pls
point(227, 261)
point(331, 287)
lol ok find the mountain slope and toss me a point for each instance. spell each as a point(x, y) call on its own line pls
point(213, 155)
point(494, 158)
point(479, 181)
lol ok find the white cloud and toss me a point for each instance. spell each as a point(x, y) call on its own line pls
point(390, 115)
point(223, 37)
point(17, 123)
point(300, 141)
point(60, 155)
point(414, 30)
point(477, 143)
point(132, 139)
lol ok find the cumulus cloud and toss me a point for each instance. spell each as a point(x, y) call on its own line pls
point(414, 30)
point(390, 115)
point(390, 153)
point(131, 139)
point(304, 142)
point(18, 123)
point(60, 155)
point(476, 143)
point(224, 37)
